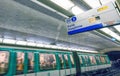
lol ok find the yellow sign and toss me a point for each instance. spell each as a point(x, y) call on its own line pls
point(92, 20)
point(102, 8)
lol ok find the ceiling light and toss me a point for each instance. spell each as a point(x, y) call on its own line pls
point(96, 3)
point(76, 10)
point(9, 41)
point(113, 39)
point(39, 45)
point(21, 42)
point(93, 3)
point(106, 1)
point(1, 39)
point(66, 4)
point(87, 51)
point(31, 44)
point(47, 46)
point(39, 3)
point(111, 33)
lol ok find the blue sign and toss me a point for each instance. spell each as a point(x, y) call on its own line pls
point(87, 28)
point(73, 19)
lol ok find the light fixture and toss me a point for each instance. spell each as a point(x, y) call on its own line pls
point(47, 46)
point(96, 3)
point(76, 10)
point(41, 4)
point(66, 4)
point(111, 33)
point(9, 41)
point(106, 1)
point(21, 42)
point(31, 44)
point(39, 45)
point(1, 39)
point(113, 39)
point(87, 51)
point(93, 3)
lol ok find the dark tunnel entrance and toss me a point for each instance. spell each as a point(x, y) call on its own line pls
point(114, 55)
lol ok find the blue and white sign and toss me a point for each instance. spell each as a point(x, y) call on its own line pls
point(97, 18)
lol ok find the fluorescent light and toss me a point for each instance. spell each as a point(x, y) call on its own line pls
point(106, 1)
point(117, 28)
point(59, 47)
point(1, 39)
point(9, 41)
point(111, 33)
point(21, 42)
point(66, 4)
point(87, 51)
point(93, 3)
point(54, 46)
point(76, 49)
point(31, 44)
point(76, 10)
point(39, 3)
point(39, 45)
point(47, 46)
point(96, 3)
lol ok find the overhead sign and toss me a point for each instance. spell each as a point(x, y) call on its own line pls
point(97, 18)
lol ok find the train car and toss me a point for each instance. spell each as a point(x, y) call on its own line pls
point(48, 62)
point(36, 62)
point(91, 63)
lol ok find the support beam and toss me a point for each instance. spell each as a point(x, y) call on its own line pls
point(82, 4)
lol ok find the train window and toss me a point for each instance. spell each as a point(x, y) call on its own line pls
point(72, 61)
point(4, 61)
point(66, 61)
point(81, 62)
point(86, 60)
point(61, 61)
point(98, 59)
point(107, 60)
point(102, 59)
point(20, 63)
point(47, 61)
point(92, 59)
point(30, 62)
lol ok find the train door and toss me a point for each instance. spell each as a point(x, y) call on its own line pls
point(62, 65)
point(30, 59)
point(102, 59)
point(81, 64)
point(93, 63)
point(67, 64)
point(47, 65)
point(20, 64)
point(86, 62)
point(73, 69)
point(108, 61)
point(98, 61)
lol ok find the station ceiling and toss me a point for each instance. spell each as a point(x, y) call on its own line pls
point(22, 19)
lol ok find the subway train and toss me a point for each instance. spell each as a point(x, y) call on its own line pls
point(26, 61)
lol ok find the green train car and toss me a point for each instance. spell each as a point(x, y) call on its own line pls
point(16, 61)
point(92, 62)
